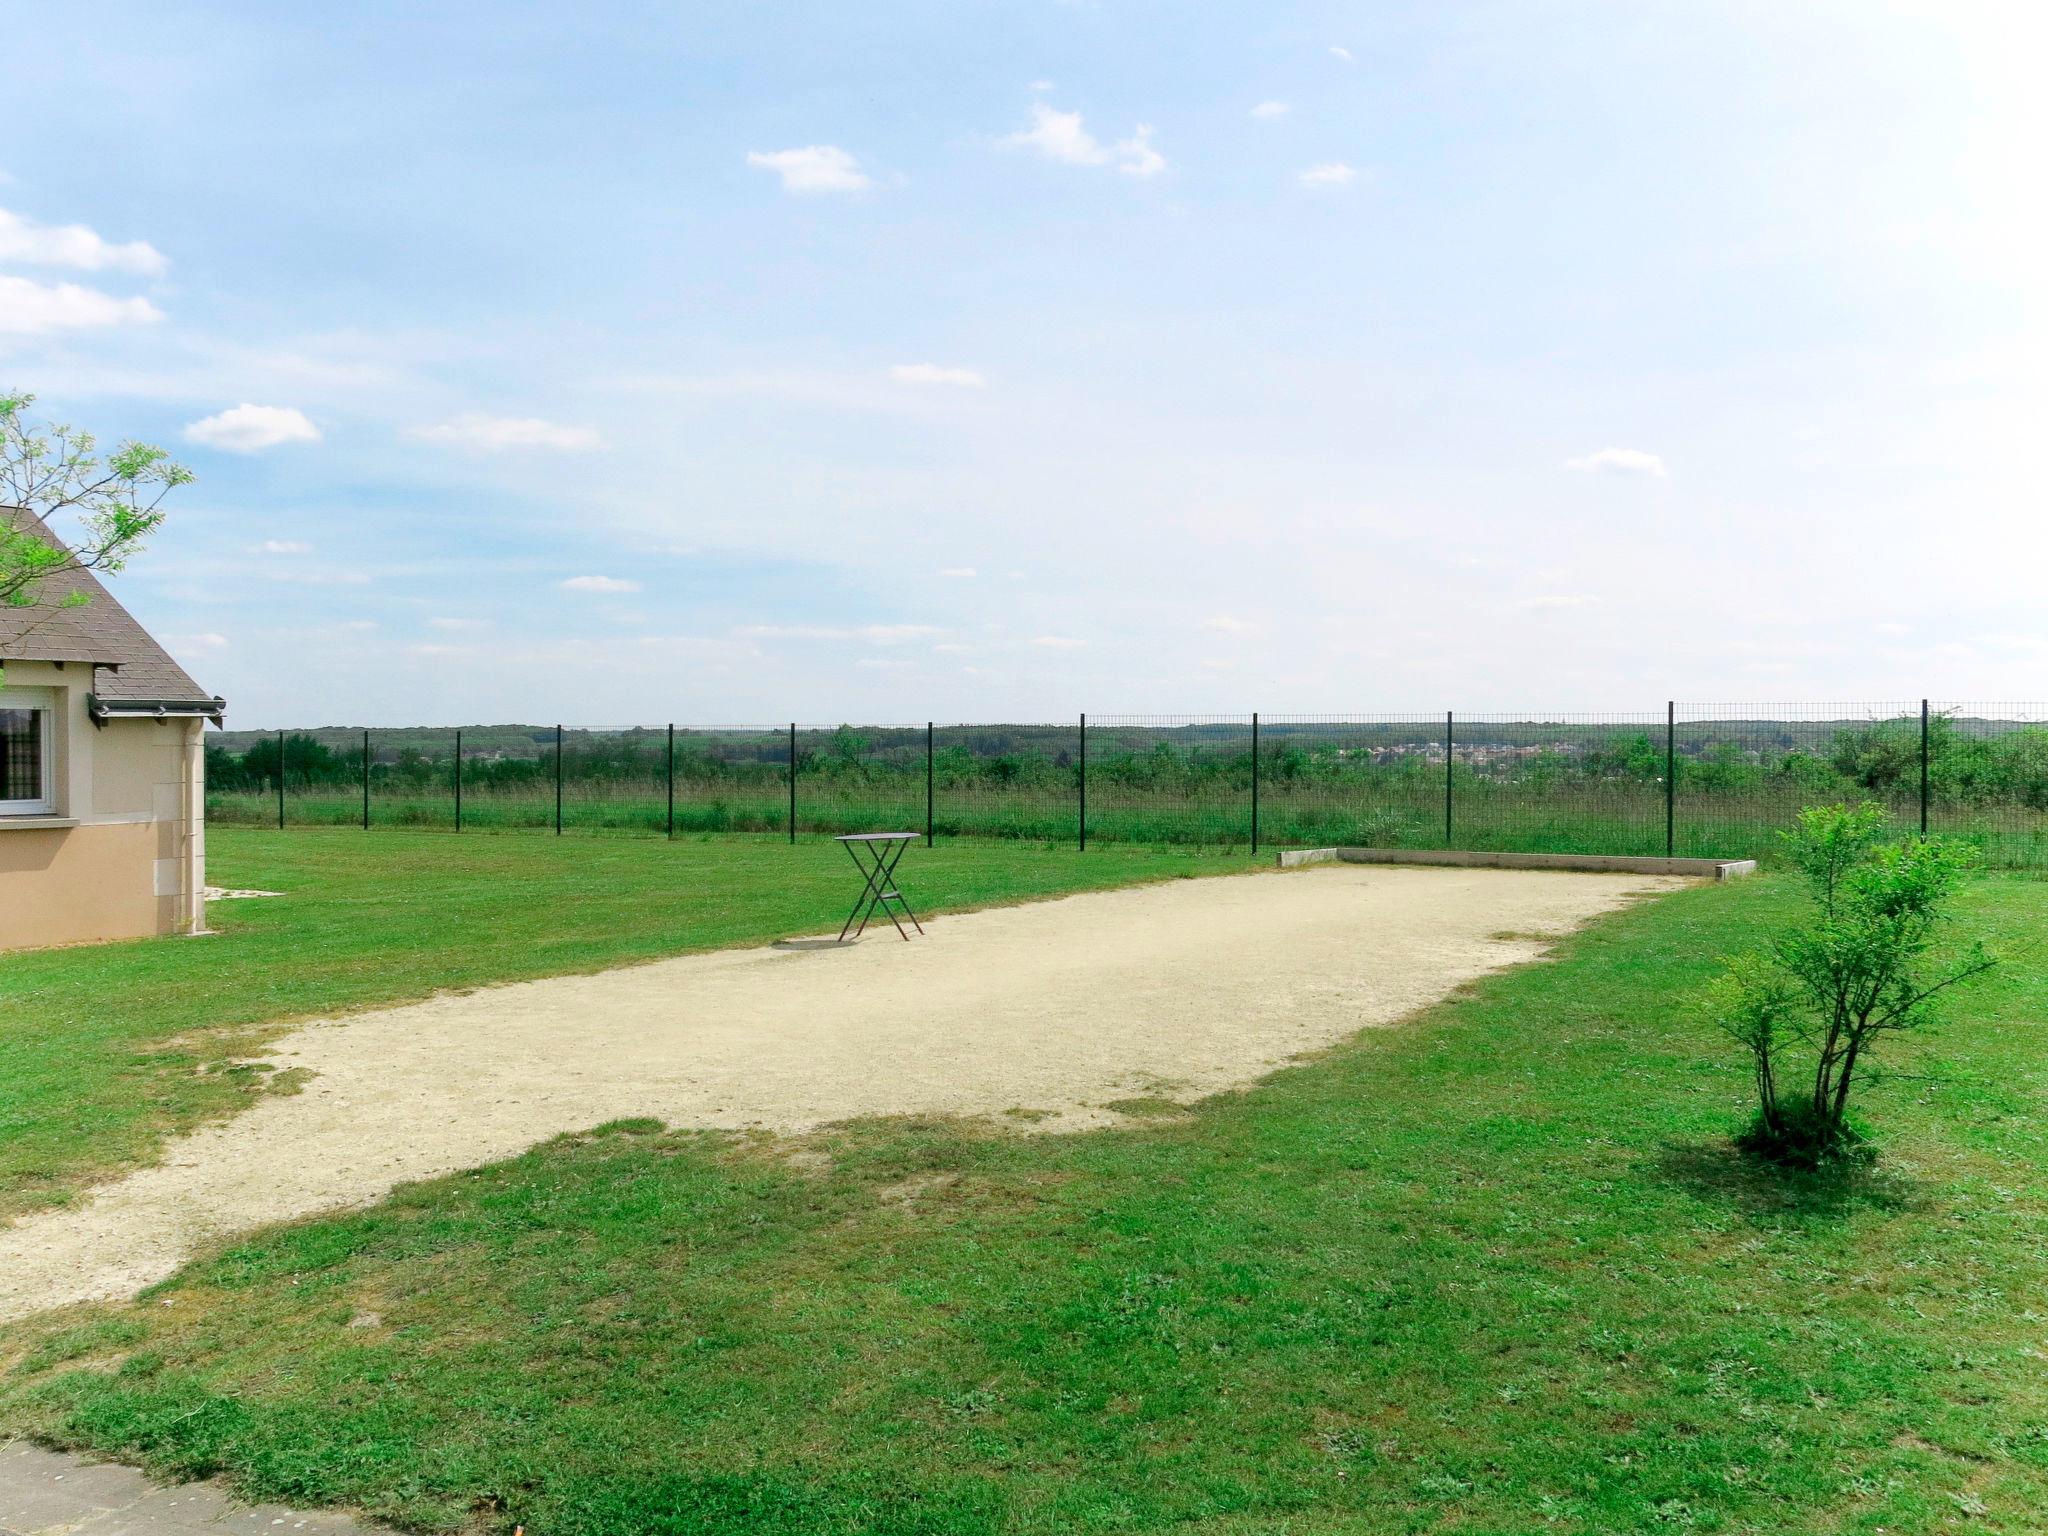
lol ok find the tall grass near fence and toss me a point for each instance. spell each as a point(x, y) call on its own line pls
point(1704, 780)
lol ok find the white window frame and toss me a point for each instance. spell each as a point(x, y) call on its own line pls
point(44, 702)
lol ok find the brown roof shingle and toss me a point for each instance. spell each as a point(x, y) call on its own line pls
point(133, 667)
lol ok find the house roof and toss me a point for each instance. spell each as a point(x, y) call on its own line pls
point(135, 669)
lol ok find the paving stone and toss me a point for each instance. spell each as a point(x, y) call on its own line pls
point(52, 1493)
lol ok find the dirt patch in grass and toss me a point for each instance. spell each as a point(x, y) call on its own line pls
point(1059, 1008)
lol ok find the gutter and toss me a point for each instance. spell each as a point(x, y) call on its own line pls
point(102, 710)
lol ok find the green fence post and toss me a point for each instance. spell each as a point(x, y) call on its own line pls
point(1255, 781)
point(1670, 777)
point(1084, 781)
point(558, 779)
point(366, 781)
point(671, 781)
point(928, 783)
point(280, 781)
point(792, 783)
point(458, 778)
point(1450, 758)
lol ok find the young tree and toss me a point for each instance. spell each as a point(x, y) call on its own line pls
point(111, 503)
point(1869, 962)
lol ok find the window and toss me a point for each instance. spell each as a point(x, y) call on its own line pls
point(25, 755)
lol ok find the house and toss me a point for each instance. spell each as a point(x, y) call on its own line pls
point(102, 771)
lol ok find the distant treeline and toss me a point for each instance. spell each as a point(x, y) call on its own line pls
point(1966, 764)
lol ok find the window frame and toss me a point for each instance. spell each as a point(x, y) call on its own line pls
point(42, 701)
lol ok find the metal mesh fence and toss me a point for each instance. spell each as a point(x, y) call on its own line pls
point(1744, 770)
point(1170, 778)
point(1014, 780)
point(1716, 780)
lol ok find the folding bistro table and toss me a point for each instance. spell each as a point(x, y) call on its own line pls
point(876, 855)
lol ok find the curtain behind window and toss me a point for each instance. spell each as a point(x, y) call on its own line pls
point(21, 754)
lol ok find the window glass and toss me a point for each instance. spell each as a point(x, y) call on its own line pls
point(21, 754)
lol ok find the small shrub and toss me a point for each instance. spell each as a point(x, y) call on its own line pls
point(1868, 962)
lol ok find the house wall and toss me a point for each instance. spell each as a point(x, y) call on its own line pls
point(123, 855)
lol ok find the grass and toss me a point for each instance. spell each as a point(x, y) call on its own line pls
point(1494, 1271)
point(109, 1049)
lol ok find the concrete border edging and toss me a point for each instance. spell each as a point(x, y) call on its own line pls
point(1460, 858)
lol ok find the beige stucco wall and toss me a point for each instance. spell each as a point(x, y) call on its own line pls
point(134, 862)
point(72, 884)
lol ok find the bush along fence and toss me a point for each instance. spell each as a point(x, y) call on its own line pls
point(1687, 779)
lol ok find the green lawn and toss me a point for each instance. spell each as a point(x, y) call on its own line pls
point(108, 1049)
point(1492, 1271)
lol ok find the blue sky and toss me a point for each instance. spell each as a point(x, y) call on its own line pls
point(730, 362)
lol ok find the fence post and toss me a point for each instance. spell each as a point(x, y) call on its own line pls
point(929, 780)
point(1255, 781)
point(280, 781)
point(558, 779)
point(1670, 777)
point(1083, 779)
point(1923, 767)
point(671, 781)
point(366, 781)
point(1450, 759)
point(458, 778)
point(792, 783)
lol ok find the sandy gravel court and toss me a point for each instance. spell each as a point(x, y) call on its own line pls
point(1059, 1007)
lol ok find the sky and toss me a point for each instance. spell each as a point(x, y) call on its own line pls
point(730, 363)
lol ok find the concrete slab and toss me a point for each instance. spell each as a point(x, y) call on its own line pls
point(53, 1493)
point(1465, 858)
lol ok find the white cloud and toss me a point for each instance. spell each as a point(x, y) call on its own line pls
point(1335, 174)
point(73, 245)
point(455, 624)
point(1226, 624)
point(958, 572)
point(599, 584)
point(1063, 137)
point(1041, 85)
point(814, 168)
point(935, 373)
point(1620, 461)
point(252, 428)
point(1271, 109)
point(1339, 51)
point(283, 547)
point(31, 309)
point(1136, 156)
point(1058, 642)
point(206, 642)
point(475, 430)
point(874, 634)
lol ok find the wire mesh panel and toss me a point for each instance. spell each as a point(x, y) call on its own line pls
point(412, 779)
point(732, 778)
point(1352, 781)
point(508, 779)
point(860, 778)
point(615, 781)
point(1987, 772)
point(1558, 782)
point(1170, 778)
point(1015, 780)
point(1745, 771)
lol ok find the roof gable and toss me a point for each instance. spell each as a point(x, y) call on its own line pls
point(100, 631)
